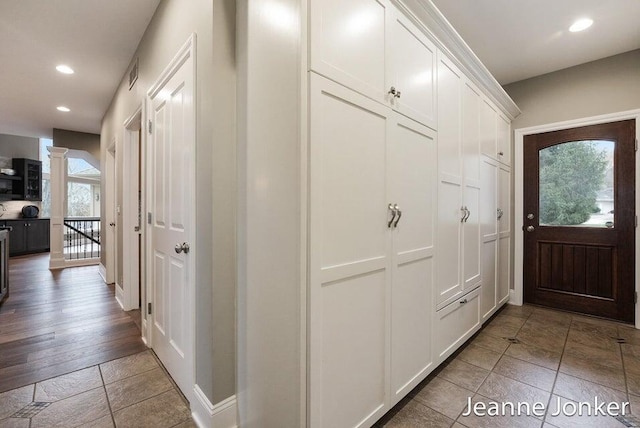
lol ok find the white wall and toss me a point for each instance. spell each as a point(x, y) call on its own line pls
point(174, 21)
point(14, 146)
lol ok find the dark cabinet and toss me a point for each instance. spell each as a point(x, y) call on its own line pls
point(30, 187)
point(28, 236)
point(9, 184)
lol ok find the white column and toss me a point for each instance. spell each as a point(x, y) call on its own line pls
point(58, 156)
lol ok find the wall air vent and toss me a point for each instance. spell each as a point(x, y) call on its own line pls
point(133, 74)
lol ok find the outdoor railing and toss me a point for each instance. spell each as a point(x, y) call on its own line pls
point(81, 238)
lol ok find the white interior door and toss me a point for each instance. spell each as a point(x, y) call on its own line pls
point(412, 180)
point(172, 143)
point(349, 257)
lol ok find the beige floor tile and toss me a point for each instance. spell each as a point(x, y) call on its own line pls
point(634, 401)
point(65, 386)
point(593, 339)
point(610, 356)
point(444, 397)
point(546, 337)
point(187, 424)
point(535, 355)
point(416, 415)
point(137, 388)
point(564, 420)
point(612, 377)
point(128, 366)
point(557, 318)
point(577, 389)
point(501, 388)
point(14, 400)
point(73, 411)
point(474, 420)
point(517, 311)
point(464, 374)
point(103, 422)
point(479, 356)
point(15, 423)
point(504, 326)
point(525, 372)
point(630, 334)
point(493, 343)
point(162, 411)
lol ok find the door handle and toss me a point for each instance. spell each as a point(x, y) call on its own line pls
point(184, 247)
point(397, 208)
point(530, 228)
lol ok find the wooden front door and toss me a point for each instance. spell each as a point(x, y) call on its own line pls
point(579, 198)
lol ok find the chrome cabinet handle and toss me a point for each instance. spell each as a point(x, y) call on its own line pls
point(393, 215)
point(501, 153)
point(500, 213)
point(397, 208)
point(468, 214)
point(464, 214)
point(394, 92)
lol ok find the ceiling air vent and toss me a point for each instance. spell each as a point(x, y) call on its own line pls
point(133, 74)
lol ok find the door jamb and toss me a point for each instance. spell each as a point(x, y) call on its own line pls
point(517, 293)
point(131, 264)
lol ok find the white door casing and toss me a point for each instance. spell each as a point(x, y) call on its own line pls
point(171, 111)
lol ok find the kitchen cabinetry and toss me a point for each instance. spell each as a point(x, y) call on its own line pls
point(30, 187)
point(7, 185)
point(28, 236)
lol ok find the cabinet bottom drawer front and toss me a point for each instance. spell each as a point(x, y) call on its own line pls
point(456, 322)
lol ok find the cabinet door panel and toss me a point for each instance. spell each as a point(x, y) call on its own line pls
point(412, 71)
point(488, 130)
point(455, 323)
point(38, 235)
point(449, 118)
point(504, 200)
point(504, 269)
point(504, 141)
point(348, 43)
point(349, 256)
point(449, 216)
point(412, 180)
point(471, 235)
point(489, 233)
point(489, 278)
point(470, 132)
point(17, 237)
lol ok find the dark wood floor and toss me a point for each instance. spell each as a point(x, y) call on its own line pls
point(56, 322)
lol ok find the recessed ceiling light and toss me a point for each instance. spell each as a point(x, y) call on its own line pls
point(63, 108)
point(581, 24)
point(64, 69)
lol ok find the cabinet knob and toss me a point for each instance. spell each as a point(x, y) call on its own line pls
point(501, 153)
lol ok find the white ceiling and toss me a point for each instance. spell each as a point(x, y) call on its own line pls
point(97, 38)
point(518, 39)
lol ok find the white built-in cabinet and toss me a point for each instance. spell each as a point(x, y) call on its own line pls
point(400, 207)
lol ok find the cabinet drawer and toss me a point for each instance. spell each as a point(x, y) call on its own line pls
point(455, 323)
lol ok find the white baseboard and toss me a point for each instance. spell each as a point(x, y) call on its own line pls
point(120, 296)
point(102, 270)
point(206, 415)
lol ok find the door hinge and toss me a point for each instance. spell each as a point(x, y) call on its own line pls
point(148, 218)
point(149, 308)
point(150, 127)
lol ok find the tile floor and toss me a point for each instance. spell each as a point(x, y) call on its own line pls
point(530, 354)
point(133, 391)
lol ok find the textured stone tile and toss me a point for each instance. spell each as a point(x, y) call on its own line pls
point(517, 311)
point(612, 377)
point(502, 389)
point(577, 389)
point(103, 422)
point(65, 386)
point(128, 366)
point(479, 356)
point(137, 388)
point(14, 400)
point(504, 326)
point(630, 334)
point(500, 421)
point(565, 421)
point(187, 424)
point(464, 374)
point(416, 415)
point(73, 411)
point(525, 372)
point(15, 423)
point(593, 339)
point(444, 397)
point(550, 337)
point(550, 316)
point(162, 411)
point(535, 355)
point(634, 401)
point(609, 356)
point(493, 343)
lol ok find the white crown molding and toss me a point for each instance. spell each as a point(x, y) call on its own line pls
point(448, 40)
